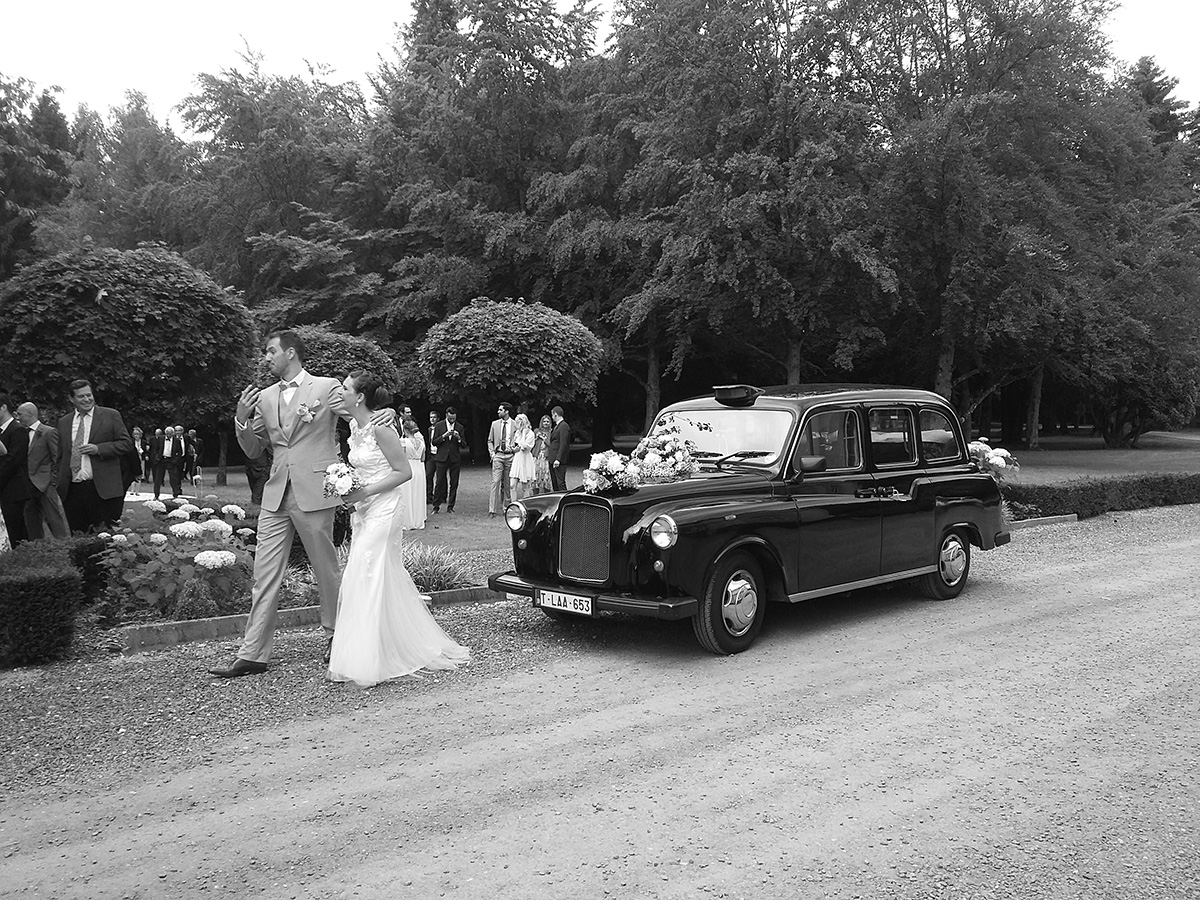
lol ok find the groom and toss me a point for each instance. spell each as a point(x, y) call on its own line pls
point(297, 418)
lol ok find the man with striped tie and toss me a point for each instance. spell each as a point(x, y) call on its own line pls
point(93, 440)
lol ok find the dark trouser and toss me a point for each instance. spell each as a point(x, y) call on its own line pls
point(558, 477)
point(44, 512)
point(87, 510)
point(172, 469)
point(446, 471)
point(430, 474)
point(14, 520)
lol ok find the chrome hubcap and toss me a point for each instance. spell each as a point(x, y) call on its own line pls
point(740, 603)
point(952, 561)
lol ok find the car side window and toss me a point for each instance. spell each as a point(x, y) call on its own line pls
point(938, 442)
point(833, 435)
point(892, 440)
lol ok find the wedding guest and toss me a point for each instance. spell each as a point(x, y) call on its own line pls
point(89, 475)
point(500, 449)
point(541, 465)
point(139, 445)
point(258, 469)
point(523, 470)
point(44, 509)
point(558, 448)
point(413, 490)
point(15, 486)
point(195, 447)
point(430, 462)
point(448, 439)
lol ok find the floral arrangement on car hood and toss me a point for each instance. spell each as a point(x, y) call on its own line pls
point(662, 456)
point(995, 461)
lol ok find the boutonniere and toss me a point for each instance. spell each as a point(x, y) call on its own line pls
point(308, 412)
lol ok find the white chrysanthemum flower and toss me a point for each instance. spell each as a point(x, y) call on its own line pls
point(652, 459)
point(179, 514)
point(614, 465)
point(156, 538)
point(190, 508)
point(230, 510)
point(344, 484)
point(596, 462)
point(179, 501)
point(998, 461)
point(207, 511)
point(187, 529)
point(120, 539)
point(104, 536)
point(155, 506)
point(215, 559)
point(246, 532)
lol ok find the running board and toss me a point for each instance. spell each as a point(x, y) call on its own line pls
point(865, 583)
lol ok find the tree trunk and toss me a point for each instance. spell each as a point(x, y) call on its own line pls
point(1033, 422)
point(222, 457)
point(943, 382)
point(795, 350)
point(653, 381)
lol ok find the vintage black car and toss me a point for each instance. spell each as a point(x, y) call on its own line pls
point(802, 491)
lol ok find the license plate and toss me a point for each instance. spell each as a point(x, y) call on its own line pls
point(571, 603)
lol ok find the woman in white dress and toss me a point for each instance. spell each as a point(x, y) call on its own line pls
point(384, 630)
point(524, 470)
point(415, 488)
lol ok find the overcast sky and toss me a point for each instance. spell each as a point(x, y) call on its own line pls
point(96, 51)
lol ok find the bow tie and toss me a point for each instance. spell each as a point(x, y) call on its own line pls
point(284, 385)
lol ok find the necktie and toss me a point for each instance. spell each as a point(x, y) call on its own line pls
point(76, 448)
point(288, 385)
point(504, 437)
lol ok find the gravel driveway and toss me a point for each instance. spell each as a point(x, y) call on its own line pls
point(1035, 738)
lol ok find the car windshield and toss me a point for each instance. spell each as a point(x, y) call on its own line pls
point(753, 437)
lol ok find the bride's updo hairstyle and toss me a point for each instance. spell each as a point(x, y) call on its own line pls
point(375, 394)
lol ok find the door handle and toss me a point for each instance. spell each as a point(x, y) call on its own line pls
point(866, 493)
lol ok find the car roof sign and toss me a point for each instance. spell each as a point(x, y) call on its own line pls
point(736, 394)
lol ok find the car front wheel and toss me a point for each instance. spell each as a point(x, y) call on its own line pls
point(733, 606)
point(953, 566)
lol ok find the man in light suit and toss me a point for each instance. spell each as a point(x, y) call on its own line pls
point(500, 449)
point(297, 418)
point(43, 510)
point(91, 441)
point(15, 489)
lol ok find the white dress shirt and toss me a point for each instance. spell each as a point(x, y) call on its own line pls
point(85, 463)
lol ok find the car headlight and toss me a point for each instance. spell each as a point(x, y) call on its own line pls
point(664, 532)
point(515, 515)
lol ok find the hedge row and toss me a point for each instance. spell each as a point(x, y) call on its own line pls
point(42, 584)
point(1088, 497)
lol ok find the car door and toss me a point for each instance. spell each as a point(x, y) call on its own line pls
point(906, 511)
point(838, 508)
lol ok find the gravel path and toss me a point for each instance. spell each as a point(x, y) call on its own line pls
point(1035, 738)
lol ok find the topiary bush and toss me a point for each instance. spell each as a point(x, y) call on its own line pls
point(1088, 497)
point(37, 612)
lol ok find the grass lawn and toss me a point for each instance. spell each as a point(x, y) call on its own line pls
point(1059, 459)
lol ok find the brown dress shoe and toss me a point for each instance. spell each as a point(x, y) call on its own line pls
point(239, 668)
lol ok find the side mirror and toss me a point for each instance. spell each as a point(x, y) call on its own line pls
point(810, 465)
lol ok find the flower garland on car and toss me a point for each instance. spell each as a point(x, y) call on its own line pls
point(662, 456)
point(995, 461)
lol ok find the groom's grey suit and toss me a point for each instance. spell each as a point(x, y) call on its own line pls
point(293, 501)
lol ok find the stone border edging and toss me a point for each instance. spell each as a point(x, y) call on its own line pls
point(166, 634)
point(1044, 520)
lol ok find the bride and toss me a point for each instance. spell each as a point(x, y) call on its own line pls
point(384, 630)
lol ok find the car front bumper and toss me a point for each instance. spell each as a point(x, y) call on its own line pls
point(513, 585)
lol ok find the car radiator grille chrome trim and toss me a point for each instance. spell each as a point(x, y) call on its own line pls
point(583, 541)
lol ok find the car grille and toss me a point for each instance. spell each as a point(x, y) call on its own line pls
point(583, 550)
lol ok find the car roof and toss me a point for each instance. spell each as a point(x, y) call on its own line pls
point(803, 396)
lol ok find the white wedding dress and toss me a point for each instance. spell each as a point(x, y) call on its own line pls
point(415, 489)
point(384, 629)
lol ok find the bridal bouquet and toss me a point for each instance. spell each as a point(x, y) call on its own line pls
point(341, 479)
point(664, 455)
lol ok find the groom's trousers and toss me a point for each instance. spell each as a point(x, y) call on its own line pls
point(276, 530)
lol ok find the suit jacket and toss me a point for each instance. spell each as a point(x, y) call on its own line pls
point(14, 467)
point(496, 436)
point(446, 449)
point(179, 454)
point(112, 442)
point(43, 457)
point(559, 445)
point(302, 450)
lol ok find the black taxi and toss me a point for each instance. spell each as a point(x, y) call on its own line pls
point(800, 491)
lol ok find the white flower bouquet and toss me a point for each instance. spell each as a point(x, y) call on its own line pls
point(664, 455)
point(341, 479)
point(610, 471)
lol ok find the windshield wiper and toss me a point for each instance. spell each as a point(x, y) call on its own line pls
point(740, 454)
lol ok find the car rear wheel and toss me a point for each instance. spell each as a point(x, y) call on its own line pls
point(733, 606)
point(953, 566)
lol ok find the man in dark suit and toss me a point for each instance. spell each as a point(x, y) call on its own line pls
point(558, 448)
point(15, 488)
point(43, 510)
point(448, 439)
point(169, 456)
point(430, 462)
point(92, 440)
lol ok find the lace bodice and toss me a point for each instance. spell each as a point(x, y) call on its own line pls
point(365, 454)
